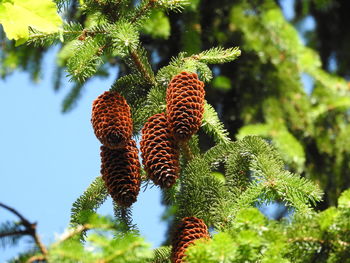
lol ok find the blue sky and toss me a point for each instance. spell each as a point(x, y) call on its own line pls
point(49, 158)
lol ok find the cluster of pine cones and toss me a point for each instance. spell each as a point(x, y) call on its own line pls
point(161, 135)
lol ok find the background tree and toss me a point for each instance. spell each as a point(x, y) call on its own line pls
point(261, 93)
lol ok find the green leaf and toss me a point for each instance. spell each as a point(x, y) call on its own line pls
point(17, 16)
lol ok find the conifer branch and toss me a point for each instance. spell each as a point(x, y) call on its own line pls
point(186, 150)
point(213, 126)
point(174, 5)
point(201, 194)
point(124, 215)
point(126, 85)
point(72, 97)
point(69, 32)
point(143, 10)
point(36, 259)
point(147, 5)
point(15, 233)
point(141, 67)
point(161, 255)
point(197, 63)
point(87, 59)
point(110, 9)
point(268, 171)
point(74, 232)
point(219, 153)
point(93, 197)
point(30, 229)
point(218, 55)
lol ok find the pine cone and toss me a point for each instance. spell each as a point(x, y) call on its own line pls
point(111, 120)
point(120, 171)
point(188, 230)
point(159, 152)
point(185, 105)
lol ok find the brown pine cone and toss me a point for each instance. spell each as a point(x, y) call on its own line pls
point(111, 120)
point(159, 152)
point(185, 105)
point(188, 230)
point(120, 169)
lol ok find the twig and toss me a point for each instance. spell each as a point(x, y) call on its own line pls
point(186, 150)
point(83, 34)
point(141, 68)
point(73, 232)
point(12, 210)
point(30, 229)
point(15, 233)
point(35, 258)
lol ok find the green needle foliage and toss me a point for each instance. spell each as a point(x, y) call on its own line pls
point(253, 238)
point(88, 202)
point(291, 144)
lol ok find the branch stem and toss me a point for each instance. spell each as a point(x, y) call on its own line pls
point(30, 229)
point(186, 150)
point(35, 258)
point(140, 67)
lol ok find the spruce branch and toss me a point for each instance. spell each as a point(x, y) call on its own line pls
point(124, 215)
point(173, 5)
point(125, 37)
point(76, 231)
point(218, 55)
point(11, 232)
point(30, 229)
point(196, 63)
point(201, 194)
point(268, 170)
point(70, 31)
point(87, 58)
point(204, 72)
point(140, 61)
point(144, 9)
point(133, 88)
point(126, 44)
point(93, 197)
point(161, 255)
point(186, 150)
point(128, 84)
point(110, 9)
point(219, 153)
point(154, 103)
point(36, 259)
point(72, 97)
point(213, 126)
